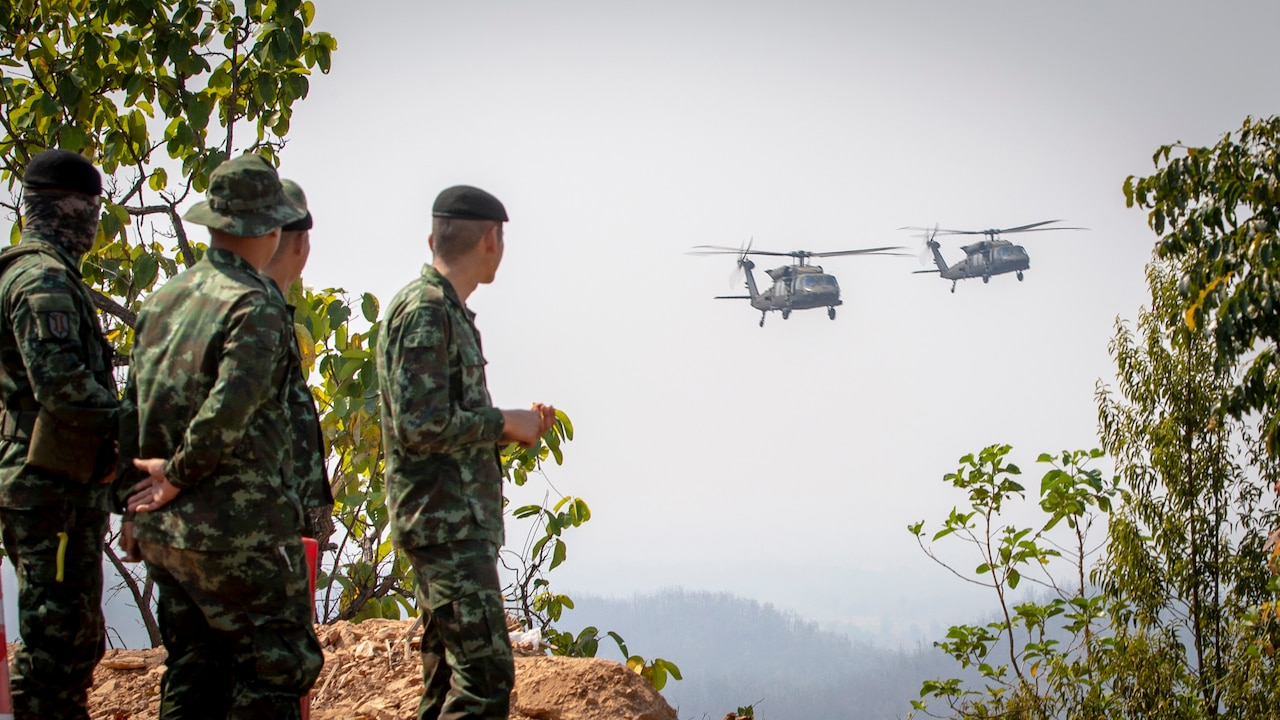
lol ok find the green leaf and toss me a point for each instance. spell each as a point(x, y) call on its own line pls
point(145, 270)
point(369, 307)
point(159, 179)
point(338, 313)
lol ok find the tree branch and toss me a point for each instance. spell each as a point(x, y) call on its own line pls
point(180, 232)
point(113, 308)
point(140, 211)
point(137, 187)
point(139, 598)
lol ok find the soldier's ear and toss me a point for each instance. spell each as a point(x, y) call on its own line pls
point(491, 240)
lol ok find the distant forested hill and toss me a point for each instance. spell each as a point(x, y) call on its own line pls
point(734, 651)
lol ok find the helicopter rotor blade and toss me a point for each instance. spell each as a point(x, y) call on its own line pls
point(1024, 228)
point(864, 251)
point(714, 250)
point(1044, 229)
point(993, 232)
point(722, 250)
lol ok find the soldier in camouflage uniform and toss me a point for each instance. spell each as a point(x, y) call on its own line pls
point(57, 443)
point(444, 481)
point(309, 477)
point(206, 419)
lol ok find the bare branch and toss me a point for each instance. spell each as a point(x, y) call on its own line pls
point(137, 187)
point(180, 231)
point(139, 597)
point(143, 210)
point(114, 309)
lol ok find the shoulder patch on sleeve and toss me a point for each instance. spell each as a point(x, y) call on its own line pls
point(55, 315)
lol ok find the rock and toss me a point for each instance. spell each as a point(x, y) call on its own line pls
point(372, 672)
point(560, 688)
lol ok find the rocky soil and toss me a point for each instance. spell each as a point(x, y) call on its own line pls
point(372, 672)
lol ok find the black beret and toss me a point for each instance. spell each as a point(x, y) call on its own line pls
point(62, 170)
point(469, 203)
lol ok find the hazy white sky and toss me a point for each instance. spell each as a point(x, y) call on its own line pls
point(782, 463)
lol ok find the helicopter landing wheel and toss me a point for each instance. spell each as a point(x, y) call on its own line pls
point(986, 278)
point(761, 319)
point(1019, 276)
point(831, 313)
point(786, 313)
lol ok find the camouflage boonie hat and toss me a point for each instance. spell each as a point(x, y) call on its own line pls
point(294, 193)
point(245, 199)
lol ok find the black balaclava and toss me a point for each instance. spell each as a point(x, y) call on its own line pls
point(62, 200)
point(68, 220)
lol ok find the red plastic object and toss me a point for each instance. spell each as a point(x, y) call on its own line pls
point(6, 699)
point(312, 550)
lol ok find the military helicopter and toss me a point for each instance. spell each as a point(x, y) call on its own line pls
point(799, 286)
point(992, 256)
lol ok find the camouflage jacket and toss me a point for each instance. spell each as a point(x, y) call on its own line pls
point(440, 429)
point(208, 392)
point(52, 357)
point(308, 474)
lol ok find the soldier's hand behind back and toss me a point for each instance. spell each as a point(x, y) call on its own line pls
point(154, 491)
point(128, 543)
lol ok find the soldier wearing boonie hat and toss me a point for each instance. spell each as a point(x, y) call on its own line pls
point(309, 477)
point(245, 199)
point(444, 484)
point(58, 425)
point(207, 423)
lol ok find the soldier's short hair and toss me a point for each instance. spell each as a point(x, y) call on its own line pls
point(455, 237)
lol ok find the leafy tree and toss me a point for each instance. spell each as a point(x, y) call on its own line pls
point(1217, 211)
point(1178, 616)
point(1184, 555)
point(1024, 666)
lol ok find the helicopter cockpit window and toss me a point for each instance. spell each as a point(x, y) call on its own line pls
point(1009, 253)
point(817, 283)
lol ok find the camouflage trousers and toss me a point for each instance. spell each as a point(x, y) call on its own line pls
point(237, 627)
point(63, 635)
point(467, 667)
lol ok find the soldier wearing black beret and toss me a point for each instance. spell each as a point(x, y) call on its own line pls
point(57, 437)
point(468, 203)
point(444, 485)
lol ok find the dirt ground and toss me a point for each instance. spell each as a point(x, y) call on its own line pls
point(372, 672)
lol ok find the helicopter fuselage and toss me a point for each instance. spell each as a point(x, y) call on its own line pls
point(984, 259)
point(798, 287)
point(987, 257)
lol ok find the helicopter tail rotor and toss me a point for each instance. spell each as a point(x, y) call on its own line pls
point(738, 277)
point(927, 247)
